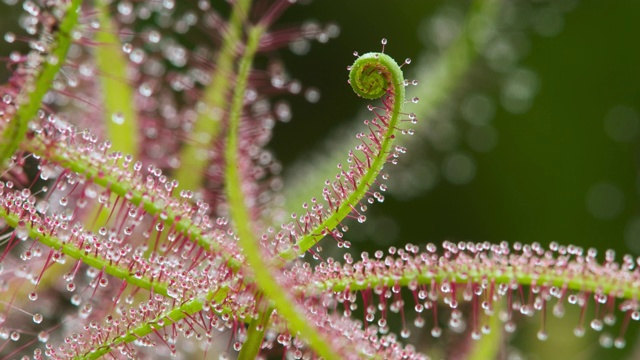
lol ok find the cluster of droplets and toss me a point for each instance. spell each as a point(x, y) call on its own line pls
point(9, 95)
point(343, 333)
point(137, 313)
point(150, 239)
point(474, 282)
point(178, 272)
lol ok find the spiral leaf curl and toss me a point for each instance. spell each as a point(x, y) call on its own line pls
point(371, 74)
point(353, 183)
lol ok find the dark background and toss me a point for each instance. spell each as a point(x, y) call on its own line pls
point(533, 185)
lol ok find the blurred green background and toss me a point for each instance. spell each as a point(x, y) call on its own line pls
point(561, 164)
point(534, 184)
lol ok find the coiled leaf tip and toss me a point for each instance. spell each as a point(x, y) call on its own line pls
point(371, 74)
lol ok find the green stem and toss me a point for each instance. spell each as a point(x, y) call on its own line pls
point(624, 287)
point(106, 176)
point(255, 334)
point(120, 116)
point(208, 125)
point(77, 253)
point(488, 346)
point(263, 273)
point(51, 64)
point(347, 205)
point(170, 317)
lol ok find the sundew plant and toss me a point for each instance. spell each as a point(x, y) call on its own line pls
point(143, 213)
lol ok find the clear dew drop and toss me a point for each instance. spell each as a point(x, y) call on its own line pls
point(168, 4)
point(117, 118)
point(52, 60)
point(42, 206)
point(15, 336)
point(33, 296)
point(9, 37)
point(542, 335)
point(127, 48)
point(46, 172)
point(510, 327)
point(312, 95)
point(22, 233)
point(154, 37)
point(43, 336)
point(558, 311)
point(596, 324)
point(145, 90)
point(609, 319)
point(37, 318)
point(91, 191)
point(125, 8)
point(606, 340)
